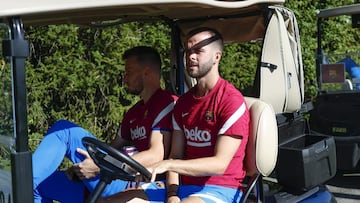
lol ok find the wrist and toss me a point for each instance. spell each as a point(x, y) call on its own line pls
point(171, 190)
point(171, 193)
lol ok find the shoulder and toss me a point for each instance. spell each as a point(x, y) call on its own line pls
point(161, 101)
point(185, 98)
point(136, 106)
point(229, 91)
point(166, 95)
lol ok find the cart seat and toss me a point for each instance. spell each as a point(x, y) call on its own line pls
point(262, 147)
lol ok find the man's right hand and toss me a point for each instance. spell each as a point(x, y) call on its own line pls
point(173, 199)
point(87, 168)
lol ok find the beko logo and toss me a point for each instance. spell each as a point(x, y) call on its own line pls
point(138, 133)
point(198, 138)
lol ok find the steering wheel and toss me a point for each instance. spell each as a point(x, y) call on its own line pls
point(114, 162)
point(113, 165)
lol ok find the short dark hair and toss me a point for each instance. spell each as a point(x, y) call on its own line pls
point(203, 29)
point(145, 56)
point(213, 31)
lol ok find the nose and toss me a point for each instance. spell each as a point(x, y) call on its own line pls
point(190, 55)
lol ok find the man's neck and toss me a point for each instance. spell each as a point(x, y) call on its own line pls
point(205, 84)
point(146, 94)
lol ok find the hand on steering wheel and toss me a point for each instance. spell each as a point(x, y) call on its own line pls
point(114, 162)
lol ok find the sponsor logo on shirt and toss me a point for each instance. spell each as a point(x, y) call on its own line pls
point(197, 138)
point(138, 133)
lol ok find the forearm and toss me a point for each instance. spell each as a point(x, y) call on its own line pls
point(118, 143)
point(172, 181)
point(172, 185)
point(156, 152)
point(225, 149)
point(198, 167)
point(148, 157)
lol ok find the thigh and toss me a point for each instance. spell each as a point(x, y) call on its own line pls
point(114, 187)
point(209, 194)
point(58, 187)
point(129, 196)
point(155, 191)
point(193, 199)
point(68, 136)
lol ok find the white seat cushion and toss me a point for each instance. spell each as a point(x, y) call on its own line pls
point(262, 147)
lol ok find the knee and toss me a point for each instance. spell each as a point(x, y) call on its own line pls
point(61, 125)
point(64, 123)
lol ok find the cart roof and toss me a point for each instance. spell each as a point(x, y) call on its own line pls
point(37, 12)
point(343, 10)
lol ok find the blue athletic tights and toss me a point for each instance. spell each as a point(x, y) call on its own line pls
point(62, 140)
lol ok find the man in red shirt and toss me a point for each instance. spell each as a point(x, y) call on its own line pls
point(147, 126)
point(211, 128)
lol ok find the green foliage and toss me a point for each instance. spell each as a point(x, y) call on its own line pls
point(6, 124)
point(6, 116)
point(239, 64)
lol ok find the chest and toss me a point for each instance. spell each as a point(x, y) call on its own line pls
point(140, 122)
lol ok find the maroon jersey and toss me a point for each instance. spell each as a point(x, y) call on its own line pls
point(142, 118)
point(222, 111)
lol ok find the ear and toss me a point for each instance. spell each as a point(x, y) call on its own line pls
point(147, 71)
point(218, 56)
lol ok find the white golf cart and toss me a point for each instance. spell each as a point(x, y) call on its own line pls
point(285, 162)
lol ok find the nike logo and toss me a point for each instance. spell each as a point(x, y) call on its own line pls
point(131, 121)
point(184, 114)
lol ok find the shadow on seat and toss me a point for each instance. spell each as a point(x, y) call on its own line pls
point(262, 146)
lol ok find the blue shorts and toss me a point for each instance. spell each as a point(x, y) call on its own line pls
point(156, 192)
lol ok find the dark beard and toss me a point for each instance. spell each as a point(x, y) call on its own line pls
point(135, 92)
point(203, 70)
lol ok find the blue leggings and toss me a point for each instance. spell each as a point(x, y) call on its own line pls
point(62, 140)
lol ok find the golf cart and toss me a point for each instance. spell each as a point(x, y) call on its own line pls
point(336, 109)
point(285, 161)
